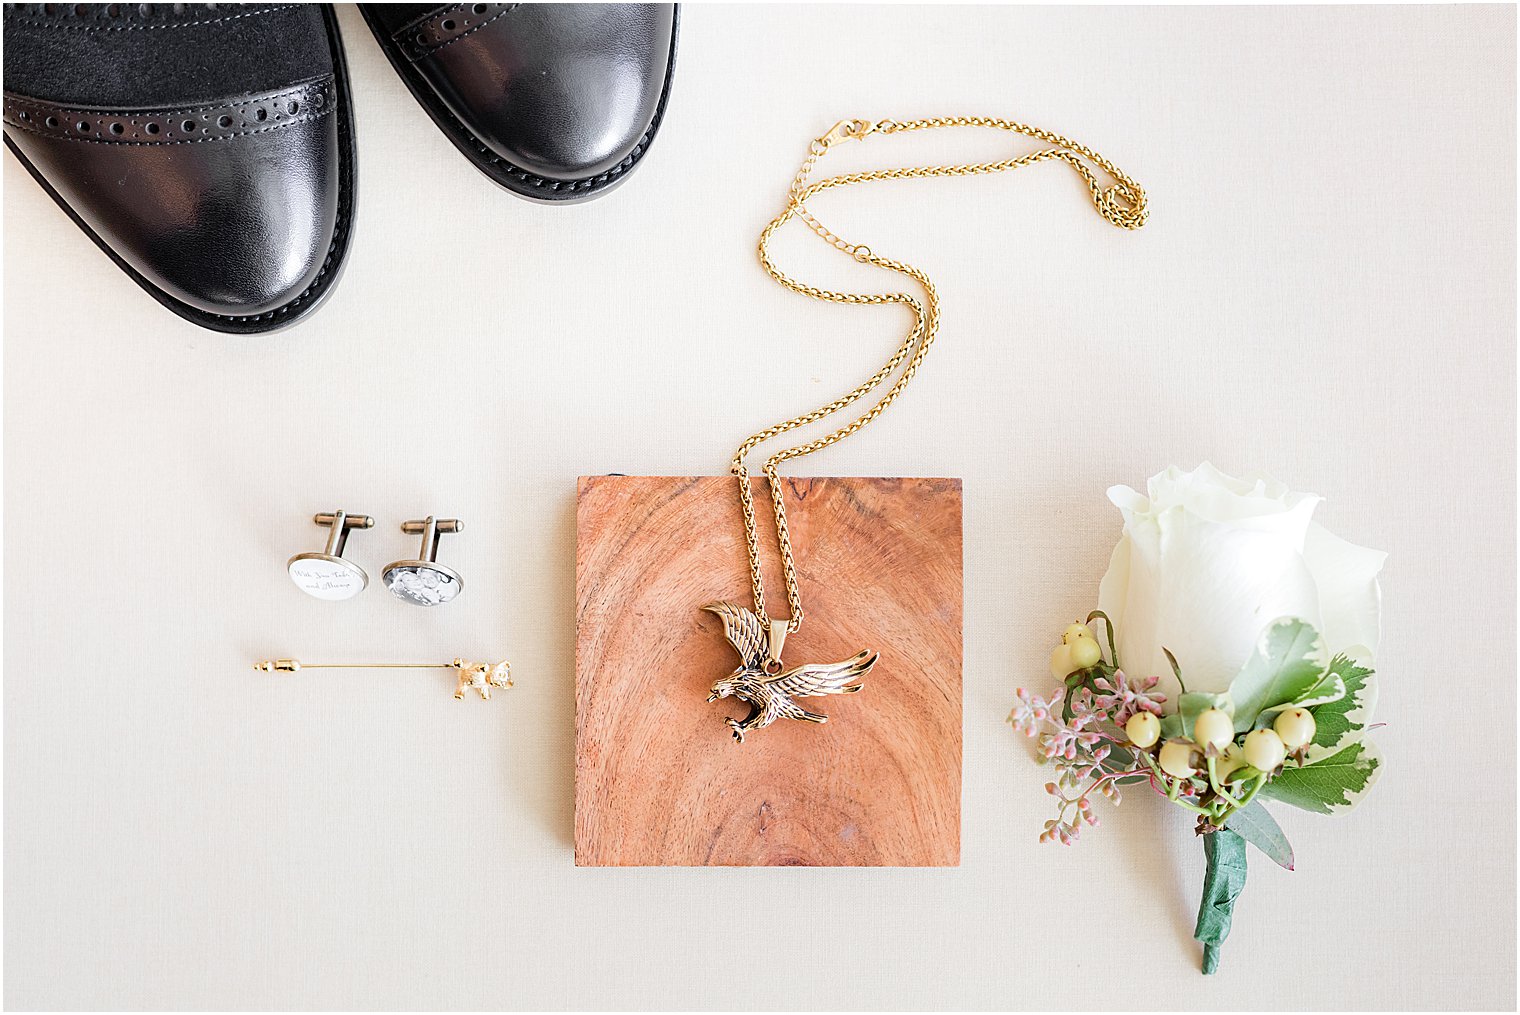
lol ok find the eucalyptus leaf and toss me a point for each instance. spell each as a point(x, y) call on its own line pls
point(1336, 783)
point(1288, 661)
point(1171, 726)
point(1256, 825)
point(1120, 759)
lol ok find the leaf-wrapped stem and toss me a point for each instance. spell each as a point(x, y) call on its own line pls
point(1223, 881)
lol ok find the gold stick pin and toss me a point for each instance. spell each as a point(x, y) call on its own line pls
point(479, 676)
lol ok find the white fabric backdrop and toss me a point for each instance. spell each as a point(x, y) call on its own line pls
point(1325, 290)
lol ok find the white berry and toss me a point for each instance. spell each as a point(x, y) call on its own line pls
point(1213, 728)
point(1264, 750)
point(1177, 758)
point(1085, 653)
point(1061, 665)
point(1233, 759)
point(1143, 730)
point(1075, 631)
point(1296, 727)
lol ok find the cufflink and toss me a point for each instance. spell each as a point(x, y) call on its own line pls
point(424, 581)
point(325, 574)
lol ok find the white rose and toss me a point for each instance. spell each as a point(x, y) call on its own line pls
point(1207, 561)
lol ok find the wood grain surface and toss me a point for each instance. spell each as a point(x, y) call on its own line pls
point(659, 780)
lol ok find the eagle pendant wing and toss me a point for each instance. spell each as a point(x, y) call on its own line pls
point(744, 631)
point(809, 681)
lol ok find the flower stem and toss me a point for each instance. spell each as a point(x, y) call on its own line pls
point(1218, 789)
point(1256, 786)
point(1223, 881)
point(1173, 793)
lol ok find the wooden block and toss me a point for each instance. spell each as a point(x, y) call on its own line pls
point(658, 778)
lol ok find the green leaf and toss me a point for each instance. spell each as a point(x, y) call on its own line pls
point(1256, 825)
point(1194, 703)
point(1113, 653)
point(1171, 726)
point(1243, 774)
point(1341, 722)
point(1176, 670)
point(1223, 882)
point(1330, 688)
point(1336, 783)
point(1288, 661)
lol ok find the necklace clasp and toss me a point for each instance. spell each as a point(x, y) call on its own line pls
point(844, 130)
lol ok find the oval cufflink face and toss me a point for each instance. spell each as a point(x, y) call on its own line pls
point(422, 584)
point(324, 577)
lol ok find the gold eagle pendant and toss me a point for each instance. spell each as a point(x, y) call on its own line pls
point(761, 682)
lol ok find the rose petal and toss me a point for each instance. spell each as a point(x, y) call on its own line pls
point(1208, 492)
point(1204, 590)
point(1113, 590)
point(1206, 561)
point(1346, 574)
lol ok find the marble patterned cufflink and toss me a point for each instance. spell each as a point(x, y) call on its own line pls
point(424, 581)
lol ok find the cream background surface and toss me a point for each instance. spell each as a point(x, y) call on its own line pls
point(1326, 290)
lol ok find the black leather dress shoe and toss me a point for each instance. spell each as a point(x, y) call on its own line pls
point(553, 101)
point(206, 148)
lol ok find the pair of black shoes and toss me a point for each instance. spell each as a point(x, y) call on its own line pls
point(208, 149)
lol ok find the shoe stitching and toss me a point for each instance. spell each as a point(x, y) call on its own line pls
point(472, 31)
point(425, 17)
point(583, 182)
point(404, 38)
point(314, 83)
point(19, 19)
point(27, 128)
point(315, 93)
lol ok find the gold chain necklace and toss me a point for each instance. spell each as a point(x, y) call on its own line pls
point(760, 680)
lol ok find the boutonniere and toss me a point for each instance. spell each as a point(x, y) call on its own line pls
point(1229, 663)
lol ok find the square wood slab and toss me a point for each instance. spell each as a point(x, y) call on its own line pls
point(658, 778)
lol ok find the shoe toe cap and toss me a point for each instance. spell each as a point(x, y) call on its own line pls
point(570, 133)
point(561, 91)
point(229, 222)
point(240, 242)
